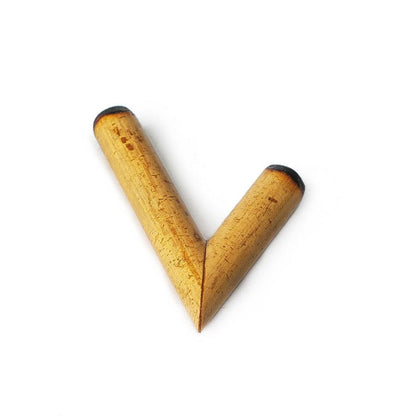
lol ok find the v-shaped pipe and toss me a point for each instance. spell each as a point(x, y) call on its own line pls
point(204, 273)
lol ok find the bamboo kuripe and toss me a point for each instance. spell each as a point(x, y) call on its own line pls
point(204, 273)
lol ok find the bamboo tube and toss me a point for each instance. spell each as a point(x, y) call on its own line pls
point(157, 204)
point(203, 273)
point(245, 234)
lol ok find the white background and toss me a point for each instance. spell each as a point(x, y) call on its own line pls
point(324, 324)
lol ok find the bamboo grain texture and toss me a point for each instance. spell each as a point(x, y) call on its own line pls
point(204, 273)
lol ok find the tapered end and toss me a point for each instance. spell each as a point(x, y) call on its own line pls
point(112, 110)
point(290, 172)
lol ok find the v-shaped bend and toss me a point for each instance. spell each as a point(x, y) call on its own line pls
point(204, 273)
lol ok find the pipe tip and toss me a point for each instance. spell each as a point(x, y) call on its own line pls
point(290, 172)
point(112, 110)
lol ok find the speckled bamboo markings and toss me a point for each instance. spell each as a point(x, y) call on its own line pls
point(204, 273)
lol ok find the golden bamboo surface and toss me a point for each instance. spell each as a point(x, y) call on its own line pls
point(174, 235)
point(204, 273)
point(245, 234)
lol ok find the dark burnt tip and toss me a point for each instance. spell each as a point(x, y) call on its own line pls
point(112, 110)
point(290, 172)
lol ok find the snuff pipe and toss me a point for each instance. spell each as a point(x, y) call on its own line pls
point(204, 273)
